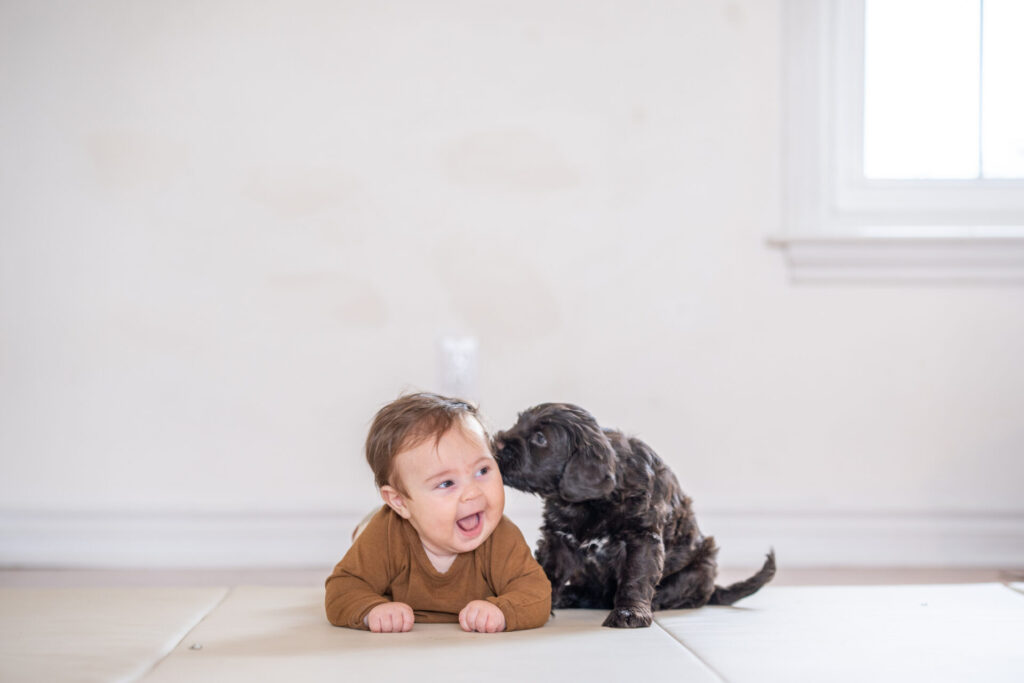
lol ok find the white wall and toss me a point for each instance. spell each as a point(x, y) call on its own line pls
point(230, 231)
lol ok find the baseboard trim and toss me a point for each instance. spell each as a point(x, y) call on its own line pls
point(839, 539)
point(98, 540)
point(56, 539)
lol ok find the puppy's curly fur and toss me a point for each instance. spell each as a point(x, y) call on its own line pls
point(618, 532)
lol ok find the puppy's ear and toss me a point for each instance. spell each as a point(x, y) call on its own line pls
point(590, 472)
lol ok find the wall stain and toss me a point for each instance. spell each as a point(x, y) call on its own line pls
point(498, 293)
point(356, 303)
point(517, 160)
point(302, 192)
point(735, 15)
point(126, 158)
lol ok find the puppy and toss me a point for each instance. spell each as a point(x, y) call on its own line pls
point(618, 532)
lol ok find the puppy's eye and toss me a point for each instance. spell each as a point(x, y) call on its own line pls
point(538, 439)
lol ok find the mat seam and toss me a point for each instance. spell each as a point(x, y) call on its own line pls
point(696, 656)
point(185, 635)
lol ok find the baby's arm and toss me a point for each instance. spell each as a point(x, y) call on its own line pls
point(357, 587)
point(523, 590)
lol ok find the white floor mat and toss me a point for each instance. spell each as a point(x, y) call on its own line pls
point(94, 634)
point(874, 634)
point(281, 634)
point(862, 633)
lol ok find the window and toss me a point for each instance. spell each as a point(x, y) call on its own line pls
point(904, 139)
point(947, 103)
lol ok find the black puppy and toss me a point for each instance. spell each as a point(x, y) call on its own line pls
point(618, 532)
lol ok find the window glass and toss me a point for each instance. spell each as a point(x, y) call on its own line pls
point(921, 88)
point(1003, 89)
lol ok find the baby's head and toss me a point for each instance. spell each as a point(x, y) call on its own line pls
point(432, 462)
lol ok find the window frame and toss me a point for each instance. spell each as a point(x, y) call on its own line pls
point(837, 224)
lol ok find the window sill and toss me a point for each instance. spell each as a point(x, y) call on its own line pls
point(896, 257)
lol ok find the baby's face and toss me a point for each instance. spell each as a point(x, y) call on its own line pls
point(454, 493)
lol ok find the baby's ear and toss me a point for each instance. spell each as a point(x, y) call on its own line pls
point(394, 500)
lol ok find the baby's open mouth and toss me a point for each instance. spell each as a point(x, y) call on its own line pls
point(470, 523)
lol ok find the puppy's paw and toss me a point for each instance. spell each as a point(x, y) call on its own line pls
point(633, 616)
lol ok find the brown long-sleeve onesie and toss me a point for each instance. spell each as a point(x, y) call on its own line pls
point(387, 563)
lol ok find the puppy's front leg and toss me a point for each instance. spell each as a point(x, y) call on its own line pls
point(638, 576)
point(559, 561)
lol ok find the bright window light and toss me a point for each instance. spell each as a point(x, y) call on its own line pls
point(921, 88)
point(1002, 110)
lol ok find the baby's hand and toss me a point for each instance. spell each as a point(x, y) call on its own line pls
point(390, 617)
point(482, 616)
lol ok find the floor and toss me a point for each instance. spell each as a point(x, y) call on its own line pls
point(223, 626)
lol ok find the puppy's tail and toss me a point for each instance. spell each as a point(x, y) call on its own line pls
point(729, 594)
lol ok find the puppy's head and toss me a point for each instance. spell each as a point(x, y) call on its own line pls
point(557, 450)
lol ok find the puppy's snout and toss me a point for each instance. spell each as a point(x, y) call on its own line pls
point(502, 450)
point(499, 442)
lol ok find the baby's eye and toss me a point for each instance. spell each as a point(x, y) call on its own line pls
point(483, 471)
point(446, 484)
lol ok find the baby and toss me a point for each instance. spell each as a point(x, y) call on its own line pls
point(440, 550)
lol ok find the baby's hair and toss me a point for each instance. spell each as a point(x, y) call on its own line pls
point(407, 422)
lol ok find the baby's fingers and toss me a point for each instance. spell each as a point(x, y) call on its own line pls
point(481, 617)
point(390, 618)
point(381, 623)
point(407, 620)
point(468, 617)
point(495, 622)
point(492, 625)
point(373, 622)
